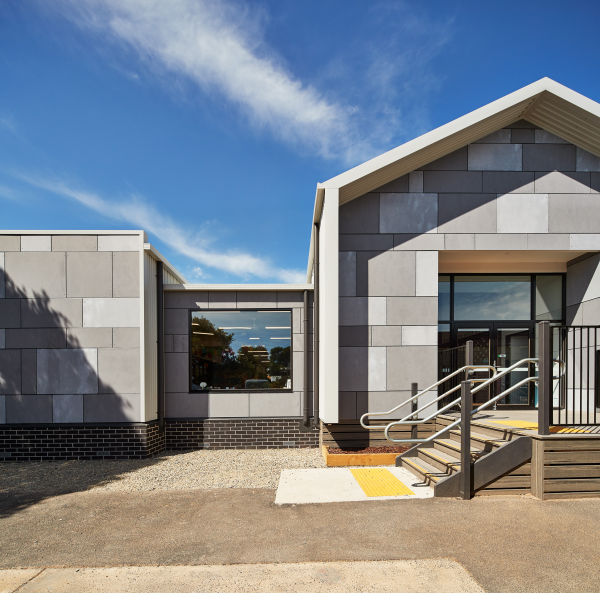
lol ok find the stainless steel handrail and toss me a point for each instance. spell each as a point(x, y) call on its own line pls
point(416, 397)
point(482, 406)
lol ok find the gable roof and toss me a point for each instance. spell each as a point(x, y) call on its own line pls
point(545, 103)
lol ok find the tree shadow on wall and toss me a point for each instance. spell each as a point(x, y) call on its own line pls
point(56, 384)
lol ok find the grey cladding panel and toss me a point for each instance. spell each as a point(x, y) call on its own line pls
point(89, 274)
point(36, 338)
point(177, 372)
point(353, 369)
point(90, 337)
point(111, 407)
point(126, 274)
point(355, 335)
point(10, 243)
point(29, 371)
point(67, 371)
point(557, 182)
point(411, 364)
point(523, 136)
point(186, 405)
point(505, 182)
point(10, 371)
point(549, 157)
point(391, 273)
point(574, 213)
point(412, 311)
point(452, 181)
point(75, 243)
point(408, 213)
point(186, 299)
point(360, 215)
point(256, 299)
point(397, 185)
point(455, 161)
point(119, 370)
point(51, 313)
point(126, 337)
point(464, 213)
point(35, 274)
point(10, 313)
point(29, 409)
point(366, 242)
point(176, 321)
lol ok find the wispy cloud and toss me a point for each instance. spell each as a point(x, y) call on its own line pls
point(219, 45)
point(138, 212)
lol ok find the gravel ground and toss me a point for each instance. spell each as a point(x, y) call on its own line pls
point(225, 468)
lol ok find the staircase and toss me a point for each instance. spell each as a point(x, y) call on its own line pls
point(500, 460)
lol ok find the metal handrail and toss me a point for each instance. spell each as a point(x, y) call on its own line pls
point(416, 397)
point(482, 406)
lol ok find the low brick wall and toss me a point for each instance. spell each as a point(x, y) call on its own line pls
point(137, 441)
point(243, 433)
point(61, 443)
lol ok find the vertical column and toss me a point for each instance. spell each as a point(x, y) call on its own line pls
point(329, 304)
point(414, 431)
point(544, 378)
point(466, 482)
point(160, 347)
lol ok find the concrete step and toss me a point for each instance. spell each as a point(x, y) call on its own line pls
point(452, 448)
point(440, 460)
point(478, 441)
point(423, 470)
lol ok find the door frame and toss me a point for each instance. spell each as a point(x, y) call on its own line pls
point(493, 327)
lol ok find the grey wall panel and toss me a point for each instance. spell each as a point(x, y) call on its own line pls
point(397, 185)
point(10, 243)
point(2, 338)
point(35, 274)
point(464, 213)
point(505, 182)
point(119, 243)
point(119, 370)
point(74, 243)
point(532, 212)
point(111, 312)
point(275, 405)
point(51, 313)
point(455, 161)
point(2, 277)
point(408, 213)
point(90, 337)
point(229, 405)
point(126, 337)
point(386, 335)
point(10, 313)
point(2, 409)
point(586, 161)
point(28, 409)
point(67, 408)
point(498, 137)
point(67, 371)
point(382, 401)
point(583, 280)
point(412, 311)
point(10, 372)
point(287, 299)
point(353, 369)
point(453, 181)
point(186, 405)
point(391, 273)
point(347, 405)
point(523, 136)
point(574, 213)
point(543, 242)
point(36, 243)
point(459, 242)
point(360, 215)
point(584, 242)
point(355, 335)
point(545, 137)
point(415, 182)
point(549, 157)
point(186, 299)
point(411, 364)
point(29, 371)
point(557, 182)
point(590, 312)
point(180, 343)
point(177, 321)
point(111, 407)
point(377, 376)
point(168, 342)
point(595, 182)
point(501, 241)
point(424, 242)
point(495, 157)
point(222, 300)
point(347, 272)
point(366, 242)
point(89, 274)
point(36, 338)
point(177, 372)
point(256, 299)
point(126, 274)
point(419, 335)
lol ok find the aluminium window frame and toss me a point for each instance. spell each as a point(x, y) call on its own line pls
point(210, 391)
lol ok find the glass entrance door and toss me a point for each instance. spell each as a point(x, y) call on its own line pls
point(500, 345)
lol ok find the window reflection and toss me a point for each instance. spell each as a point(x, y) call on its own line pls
point(241, 350)
point(444, 298)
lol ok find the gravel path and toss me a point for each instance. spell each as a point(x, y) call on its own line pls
point(225, 468)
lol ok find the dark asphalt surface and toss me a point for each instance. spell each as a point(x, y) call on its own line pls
point(507, 543)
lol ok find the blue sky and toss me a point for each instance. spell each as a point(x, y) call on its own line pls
point(208, 123)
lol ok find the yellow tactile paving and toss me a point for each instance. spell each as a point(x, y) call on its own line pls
point(380, 482)
point(533, 426)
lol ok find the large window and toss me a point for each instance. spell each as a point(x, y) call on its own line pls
point(240, 350)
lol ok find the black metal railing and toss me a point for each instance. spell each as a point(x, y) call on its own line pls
point(575, 399)
point(449, 361)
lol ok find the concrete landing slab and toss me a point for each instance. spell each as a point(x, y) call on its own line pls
point(333, 484)
point(408, 576)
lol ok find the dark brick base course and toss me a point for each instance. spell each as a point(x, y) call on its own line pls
point(243, 433)
point(139, 441)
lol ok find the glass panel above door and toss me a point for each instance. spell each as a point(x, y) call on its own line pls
point(444, 298)
point(493, 298)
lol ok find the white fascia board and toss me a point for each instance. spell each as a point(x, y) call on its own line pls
point(239, 287)
point(317, 212)
point(52, 232)
point(158, 256)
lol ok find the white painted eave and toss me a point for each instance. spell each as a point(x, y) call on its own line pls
point(239, 287)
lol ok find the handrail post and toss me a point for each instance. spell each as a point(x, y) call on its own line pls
point(466, 482)
point(469, 353)
point(545, 373)
point(414, 390)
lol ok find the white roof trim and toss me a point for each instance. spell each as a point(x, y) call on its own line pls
point(158, 256)
point(239, 287)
